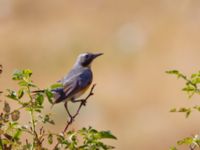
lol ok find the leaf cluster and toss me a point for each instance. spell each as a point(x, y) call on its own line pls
point(91, 139)
point(12, 132)
point(191, 87)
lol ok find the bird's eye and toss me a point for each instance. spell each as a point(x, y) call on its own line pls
point(86, 56)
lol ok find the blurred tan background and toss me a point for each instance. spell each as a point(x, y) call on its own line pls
point(141, 39)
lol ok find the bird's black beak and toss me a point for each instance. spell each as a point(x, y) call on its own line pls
point(97, 55)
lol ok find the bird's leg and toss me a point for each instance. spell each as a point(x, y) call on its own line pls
point(83, 101)
point(67, 109)
point(76, 100)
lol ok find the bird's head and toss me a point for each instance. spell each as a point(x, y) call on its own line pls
point(86, 59)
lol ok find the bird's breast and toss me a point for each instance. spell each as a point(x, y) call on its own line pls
point(81, 92)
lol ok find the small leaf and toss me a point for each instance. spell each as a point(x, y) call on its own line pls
point(194, 75)
point(39, 99)
point(6, 107)
point(17, 134)
point(17, 75)
point(196, 81)
point(176, 72)
point(50, 138)
point(197, 108)
point(56, 85)
point(47, 119)
point(188, 113)
point(189, 88)
point(27, 72)
point(187, 141)
point(15, 115)
point(20, 93)
point(106, 135)
point(12, 94)
point(173, 110)
point(183, 109)
point(173, 148)
point(23, 83)
point(49, 95)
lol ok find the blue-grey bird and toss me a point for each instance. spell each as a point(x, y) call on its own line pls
point(78, 80)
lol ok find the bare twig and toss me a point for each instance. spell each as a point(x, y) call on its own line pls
point(192, 147)
point(72, 117)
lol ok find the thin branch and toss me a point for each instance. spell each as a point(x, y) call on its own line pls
point(192, 147)
point(72, 117)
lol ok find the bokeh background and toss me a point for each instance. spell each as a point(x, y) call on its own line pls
point(141, 39)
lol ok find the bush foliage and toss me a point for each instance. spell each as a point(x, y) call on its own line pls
point(13, 134)
point(191, 87)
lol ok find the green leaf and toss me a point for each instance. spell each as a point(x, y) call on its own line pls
point(49, 95)
point(183, 109)
point(6, 107)
point(27, 72)
point(173, 110)
point(173, 148)
point(12, 94)
point(189, 88)
point(187, 114)
point(197, 108)
point(196, 80)
point(187, 141)
point(17, 134)
point(106, 135)
point(47, 119)
point(187, 111)
point(50, 138)
point(17, 75)
point(20, 93)
point(56, 85)
point(39, 99)
point(176, 72)
point(23, 83)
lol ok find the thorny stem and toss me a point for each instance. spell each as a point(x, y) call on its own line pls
point(72, 117)
point(32, 119)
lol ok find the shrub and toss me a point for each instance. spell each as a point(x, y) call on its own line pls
point(13, 133)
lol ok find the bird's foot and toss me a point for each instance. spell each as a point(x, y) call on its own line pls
point(83, 102)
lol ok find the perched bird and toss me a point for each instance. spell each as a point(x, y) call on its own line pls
point(77, 81)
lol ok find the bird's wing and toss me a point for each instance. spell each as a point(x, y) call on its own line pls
point(73, 86)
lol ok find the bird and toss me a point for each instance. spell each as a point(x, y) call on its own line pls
point(77, 81)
